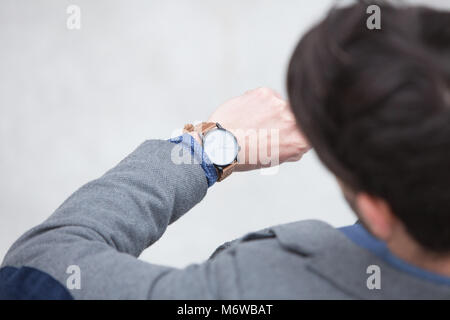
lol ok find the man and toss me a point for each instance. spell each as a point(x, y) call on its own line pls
point(375, 106)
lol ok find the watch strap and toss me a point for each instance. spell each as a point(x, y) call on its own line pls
point(200, 128)
point(226, 171)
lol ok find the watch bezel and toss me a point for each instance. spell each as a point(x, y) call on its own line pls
point(204, 136)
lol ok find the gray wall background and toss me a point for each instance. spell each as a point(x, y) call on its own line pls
point(74, 103)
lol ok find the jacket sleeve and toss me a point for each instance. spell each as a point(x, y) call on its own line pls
point(105, 225)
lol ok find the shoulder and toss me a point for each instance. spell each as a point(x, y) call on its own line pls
point(301, 237)
point(274, 263)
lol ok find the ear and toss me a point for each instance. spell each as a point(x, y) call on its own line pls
point(377, 215)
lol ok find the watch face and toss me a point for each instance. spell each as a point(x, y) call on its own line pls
point(220, 146)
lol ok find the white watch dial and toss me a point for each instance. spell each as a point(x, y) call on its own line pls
point(220, 146)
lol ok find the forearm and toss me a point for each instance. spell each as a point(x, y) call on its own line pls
point(125, 210)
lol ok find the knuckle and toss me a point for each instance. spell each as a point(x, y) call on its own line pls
point(282, 107)
point(265, 92)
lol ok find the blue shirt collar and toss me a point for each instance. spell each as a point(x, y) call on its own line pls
point(360, 236)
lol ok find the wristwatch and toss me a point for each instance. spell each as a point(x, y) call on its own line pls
point(219, 144)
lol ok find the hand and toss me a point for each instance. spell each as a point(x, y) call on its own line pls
point(265, 128)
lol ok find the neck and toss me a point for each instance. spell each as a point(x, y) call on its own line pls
point(407, 249)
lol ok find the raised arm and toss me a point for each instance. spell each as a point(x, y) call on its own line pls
point(105, 225)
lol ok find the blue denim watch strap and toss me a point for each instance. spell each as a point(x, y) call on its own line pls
point(188, 141)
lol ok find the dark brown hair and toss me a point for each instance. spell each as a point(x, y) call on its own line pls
point(375, 106)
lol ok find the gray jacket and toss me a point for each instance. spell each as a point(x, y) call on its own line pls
point(105, 225)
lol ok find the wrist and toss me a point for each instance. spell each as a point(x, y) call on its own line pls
point(196, 136)
point(218, 144)
point(195, 150)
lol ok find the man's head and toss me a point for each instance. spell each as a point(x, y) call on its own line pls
point(375, 106)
